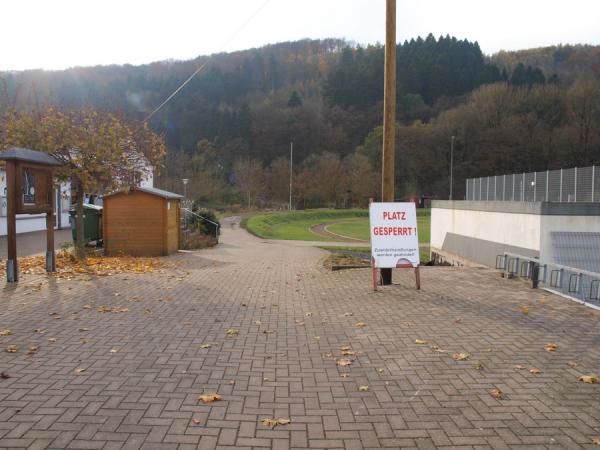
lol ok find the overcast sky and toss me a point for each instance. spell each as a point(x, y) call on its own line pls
point(55, 34)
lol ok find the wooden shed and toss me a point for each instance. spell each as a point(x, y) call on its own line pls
point(141, 222)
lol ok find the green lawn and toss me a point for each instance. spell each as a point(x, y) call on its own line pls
point(359, 227)
point(295, 225)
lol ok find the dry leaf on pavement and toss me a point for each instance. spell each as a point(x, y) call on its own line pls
point(205, 346)
point(360, 324)
point(79, 370)
point(589, 378)
point(5, 332)
point(519, 366)
point(496, 393)
point(51, 339)
point(12, 349)
point(232, 332)
point(436, 349)
point(420, 341)
point(272, 423)
point(343, 362)
point(596, 442)
point(572, 364)
point(535, 370)
point(525, 310)
point(363, 388)
point(550, 347)
point(460, 356)
point(209, 398)
point(33, 349)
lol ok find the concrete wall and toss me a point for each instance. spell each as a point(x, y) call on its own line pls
point(470, 231)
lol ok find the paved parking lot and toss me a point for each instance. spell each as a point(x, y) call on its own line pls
point(264, 326)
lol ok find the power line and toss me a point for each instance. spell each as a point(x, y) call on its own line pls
point(197, 71)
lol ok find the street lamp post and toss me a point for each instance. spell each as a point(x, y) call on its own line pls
point(451, 163)
point(291, 172)
point(185, 182)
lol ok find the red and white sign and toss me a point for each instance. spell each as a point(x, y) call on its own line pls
point(394, 237)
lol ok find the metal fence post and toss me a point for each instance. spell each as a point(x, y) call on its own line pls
point(523, 187)
point(575, 183)
point(495, 186)
point(547, 185)
point(560, 195)
point(593, 180)
point(487, 190)
point(513, 194)
point(534, 185)
point(480, 183)
point(503, 186)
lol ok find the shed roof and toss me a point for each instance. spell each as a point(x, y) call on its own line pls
point(28, 155)
point(152, 191)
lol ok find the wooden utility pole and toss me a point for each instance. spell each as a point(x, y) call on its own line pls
point(389, 115)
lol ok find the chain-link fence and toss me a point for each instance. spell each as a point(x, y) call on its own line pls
point(579, 184)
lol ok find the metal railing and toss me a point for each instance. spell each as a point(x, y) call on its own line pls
point(195, 214)
point(578, 284)
point(578, 184)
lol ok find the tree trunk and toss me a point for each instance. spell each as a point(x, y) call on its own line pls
point(79, 223)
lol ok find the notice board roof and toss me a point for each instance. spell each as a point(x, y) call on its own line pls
point(28, 155)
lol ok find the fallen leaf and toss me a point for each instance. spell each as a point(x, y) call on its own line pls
point(535, 370)
point(572, 364)
point(596, 442)
point(460, 356)
point(420, 342)
point(84, 329)
point(12, 349)
point(348, 353)
point(380, 370)
point(436, 349)
point(233, 332)
point(51, 339)
point(519, 366)
point(39, 330)
point(205, 346)
point(345, 347)
point(33, 349)
point(525, 310)
point(308, 314)
point(258, 322)
point(196, 421)
point(209, 398)
point(344, 375)
point(496, 393)
point(550, 347)
point(5, 332)
point(458, 320)
point(231, 381)
point(79, 370)
point(407, 323)
point(360, 324)
point(479, 366)
point(269, 331)
point(113, 350)
point(589, 378)
point(4, 375)
point(348, 314)
point(272, 423)
point(343, 362)
point(363, 388)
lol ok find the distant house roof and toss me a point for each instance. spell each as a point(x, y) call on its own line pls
point(27, 155)
point(153, 191)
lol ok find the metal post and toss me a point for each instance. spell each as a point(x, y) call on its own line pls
point(560, 194)
point(451, 163)
point(534, 185)
point(487, 190)
point(513, 194)
point(291, 172)
point(495, 186)
point(503, 186)
point(593, 180)
point(480, 183)
point(547, 185)
point(523, 187)
point(12, 263)
point(575, 184)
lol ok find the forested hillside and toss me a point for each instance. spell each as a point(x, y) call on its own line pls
point(229, 130)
